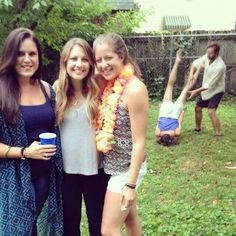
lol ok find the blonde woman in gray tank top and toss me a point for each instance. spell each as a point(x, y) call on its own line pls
point(76, 107)
point(121, 131)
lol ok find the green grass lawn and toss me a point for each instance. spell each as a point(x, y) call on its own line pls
point(188, 190)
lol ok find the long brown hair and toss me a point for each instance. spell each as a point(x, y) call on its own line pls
point(119, 47)
point(64, 88)
point(9, 86)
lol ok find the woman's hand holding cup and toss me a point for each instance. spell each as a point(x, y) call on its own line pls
point(44, 149)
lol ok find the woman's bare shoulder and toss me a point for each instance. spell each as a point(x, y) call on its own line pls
point(47, 87)
point(136, 86)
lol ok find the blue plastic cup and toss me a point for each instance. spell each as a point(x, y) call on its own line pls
point(47, 138)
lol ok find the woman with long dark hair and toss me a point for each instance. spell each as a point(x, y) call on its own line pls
point(29, 172)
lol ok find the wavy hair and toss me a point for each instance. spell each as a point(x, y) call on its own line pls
point(64, 88)
point(9, 85)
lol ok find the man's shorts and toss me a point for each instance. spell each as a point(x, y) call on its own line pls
point(211, 103)
point(171, 110)
point(117, 182)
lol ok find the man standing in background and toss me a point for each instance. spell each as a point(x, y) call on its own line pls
point(213, 86)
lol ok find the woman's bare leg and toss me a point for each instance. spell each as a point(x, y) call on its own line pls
point(113, 218)
point(172, 77)
point(191, 81)
point(132, 223)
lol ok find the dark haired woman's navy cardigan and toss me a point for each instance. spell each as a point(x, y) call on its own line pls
point(17, 208)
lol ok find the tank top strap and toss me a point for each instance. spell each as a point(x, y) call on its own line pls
point(121, 98)
point(44, 91)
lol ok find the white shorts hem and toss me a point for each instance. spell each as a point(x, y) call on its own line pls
point(117, 182)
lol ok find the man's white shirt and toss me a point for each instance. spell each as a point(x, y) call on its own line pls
point(213, 76)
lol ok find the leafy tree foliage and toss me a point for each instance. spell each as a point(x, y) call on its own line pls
point(56, 21)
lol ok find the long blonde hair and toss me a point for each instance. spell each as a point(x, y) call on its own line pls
point(64, 88)
point(119, 47)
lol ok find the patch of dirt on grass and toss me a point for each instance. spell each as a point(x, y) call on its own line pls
point(193, 165)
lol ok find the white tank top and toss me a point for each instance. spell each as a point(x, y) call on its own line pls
point(78, 143)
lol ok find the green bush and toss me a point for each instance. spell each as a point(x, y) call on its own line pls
point(56, 21)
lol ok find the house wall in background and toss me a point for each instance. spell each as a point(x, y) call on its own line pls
point(209, 15)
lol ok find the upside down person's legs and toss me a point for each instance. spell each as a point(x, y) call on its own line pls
point(191, 81)
point(172, 78)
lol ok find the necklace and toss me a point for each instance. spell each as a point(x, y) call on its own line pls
point(77, 100)
point(108, 107)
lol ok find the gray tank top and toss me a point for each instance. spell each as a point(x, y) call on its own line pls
point(78, 143)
